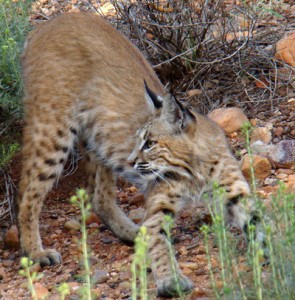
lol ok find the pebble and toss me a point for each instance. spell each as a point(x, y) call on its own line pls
point(92, 218)
point(229, 119)
point(12, 237)
point(137, 198)
point(279, 131)
point(261, 148)
point(72, 225)
point(136, 215)
point(282, 176)
point(99, 276)
point(41, 291)
point(270, 181)
point(7, 263)
point(189, 265)
point(261, 134)
point(261, 166)
point(283, 154)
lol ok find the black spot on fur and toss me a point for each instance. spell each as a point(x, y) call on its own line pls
point(50, 162)
point(60, 133)
point(233, 201)
point(43, 177)
point(61, 148)
point(73, 130)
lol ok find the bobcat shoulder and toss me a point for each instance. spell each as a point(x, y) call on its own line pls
point(84, 83)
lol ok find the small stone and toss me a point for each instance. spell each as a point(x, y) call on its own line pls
point(72, 225)
point(74, 285)
point(99, 276)
point(261, 148)
point(291, 183)
point(261, 134)
point(270, 181)
point(12, 237)
point(7, 263)
point(285, 171)
point(35, 268)
point(132, 189)
point(189, 265)
point(136, 215)
point(125, 276)
point(41, 291)
point(282, 176)
point(195, 92)
point(261, 166)
point(283, 154)
point(122, 196)
point(229, 119)
point(137, 198)
point(92, 218)
point(278, 131)
point(285, 49)
point(93, 225)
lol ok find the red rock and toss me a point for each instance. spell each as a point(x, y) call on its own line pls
point(7, 263)
point(132, 189)
point(122, 196)
point(72, 225)
point(261, 165)
point(261, 134)
point(137, 198)
point(291, 183)
point(92, 218)
point(136, 215)
point(195, 92)
point(279, 131)
point(285, 49)
point(229, 119)
point(12, 237)
point(41, 291)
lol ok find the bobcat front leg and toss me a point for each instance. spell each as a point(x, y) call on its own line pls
point(240, 214)
point(168, 277)
point(104, 204)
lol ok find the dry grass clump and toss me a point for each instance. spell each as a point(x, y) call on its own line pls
point(222, 51)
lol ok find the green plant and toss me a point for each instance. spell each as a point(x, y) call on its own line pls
point(63, 290)
point(167, 227)
point(7, 152)
point(139, 265)
point(26, 264)
point(278, 223)
point(14, 26)
point(81, 200)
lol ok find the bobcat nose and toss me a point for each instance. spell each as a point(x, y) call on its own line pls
point(131, 162)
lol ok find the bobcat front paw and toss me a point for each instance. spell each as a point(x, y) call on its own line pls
point(48, 257)
point(169, 287)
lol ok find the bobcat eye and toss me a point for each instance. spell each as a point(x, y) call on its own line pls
point(148, 144)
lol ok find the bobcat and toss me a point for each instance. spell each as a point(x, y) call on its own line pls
point(85, 83)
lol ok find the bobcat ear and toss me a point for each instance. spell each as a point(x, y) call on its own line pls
point(177, 114)
point(154, 101)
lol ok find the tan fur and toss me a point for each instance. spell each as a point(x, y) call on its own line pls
point(85, 82)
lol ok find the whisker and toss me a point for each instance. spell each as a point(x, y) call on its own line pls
point(163, 178)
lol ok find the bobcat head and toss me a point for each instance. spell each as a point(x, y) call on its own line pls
point(165, 144)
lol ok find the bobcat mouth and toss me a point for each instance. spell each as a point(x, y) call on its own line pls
point(144, 169)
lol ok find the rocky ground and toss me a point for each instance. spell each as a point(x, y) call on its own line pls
point(273, 147)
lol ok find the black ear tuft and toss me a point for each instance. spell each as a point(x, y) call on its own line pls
point(153, 97)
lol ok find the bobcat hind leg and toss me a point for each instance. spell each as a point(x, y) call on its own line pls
point(44, 157)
